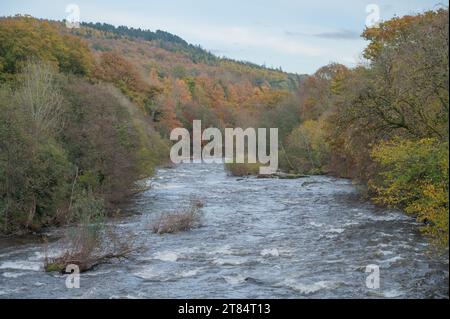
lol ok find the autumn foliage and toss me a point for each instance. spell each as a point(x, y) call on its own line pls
point(119, 91)
point(22, 38)
point(385, 123)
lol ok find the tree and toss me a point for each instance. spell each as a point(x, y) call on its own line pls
point(35, 171)
point(307, 149)
point(40, 96)
point(23, 38)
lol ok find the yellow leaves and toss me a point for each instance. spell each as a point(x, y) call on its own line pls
point(398, 150)
point(390, 31)
point(414, 177)
point(22, 38)
point(337, 82)
point(433, 207)
point(307, 147)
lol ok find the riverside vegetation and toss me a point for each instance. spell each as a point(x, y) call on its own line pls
point(184, 220)
point(84, 113)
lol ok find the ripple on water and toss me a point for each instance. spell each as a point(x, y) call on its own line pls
point(335, 230)
point(157, 185)
point(274, 252)
point(166, 256)
point(221, 250)
point(154, 272)
point(235, 279)
point(393, 260)
point(231, 261)
point(191, 272)
point(13, 274)
point(314, 224)
point(313, 241)
point(392, 293)
point(307, 289)
point(21, 265)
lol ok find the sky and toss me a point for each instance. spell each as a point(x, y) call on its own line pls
point(299, 36)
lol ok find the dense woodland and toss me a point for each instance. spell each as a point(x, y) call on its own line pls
point(87, 112)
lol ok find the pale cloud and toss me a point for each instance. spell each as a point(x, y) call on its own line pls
point(263, 38)
point(298, 35)
point(333, 34)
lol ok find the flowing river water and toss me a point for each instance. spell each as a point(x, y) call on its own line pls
point(261, 238)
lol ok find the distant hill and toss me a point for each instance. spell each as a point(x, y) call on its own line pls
point(196, 53)
point(171, 80)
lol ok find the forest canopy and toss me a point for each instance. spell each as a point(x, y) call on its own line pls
point(111, 95)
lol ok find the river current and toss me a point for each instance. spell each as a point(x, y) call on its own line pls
point(260, 238)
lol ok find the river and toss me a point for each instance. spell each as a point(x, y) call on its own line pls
point(261, 238)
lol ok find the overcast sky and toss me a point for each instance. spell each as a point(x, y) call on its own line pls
point(298, 35)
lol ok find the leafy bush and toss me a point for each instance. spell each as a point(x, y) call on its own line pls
point(414, 177)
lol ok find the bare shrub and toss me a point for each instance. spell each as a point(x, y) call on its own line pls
point(184, 220)
point(197, 202)
point(88, 246)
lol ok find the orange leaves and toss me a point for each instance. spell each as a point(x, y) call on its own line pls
point(316, 91)
point(388, 32)
point(169, 114)
point(181, 91)
point(213, 90)
point(114, 68)
point(185, 88)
